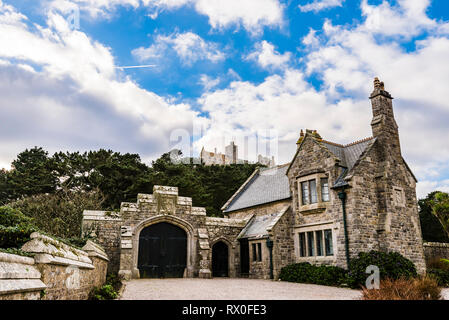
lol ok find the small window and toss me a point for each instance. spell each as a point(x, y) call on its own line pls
point(305, 192)
point(302, 244)
point(313, 192)
point(310, 242)
point(319, 243)
point(324, 189)
point(259, 250)
point(254, 252)
point(328, 242)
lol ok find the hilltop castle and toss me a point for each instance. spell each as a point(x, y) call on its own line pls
point(230, 157)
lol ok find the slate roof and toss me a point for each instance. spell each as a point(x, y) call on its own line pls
point(264, 186)
point(349, 153)
point(260, 226)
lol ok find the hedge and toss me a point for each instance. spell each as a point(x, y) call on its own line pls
point(306, 273)
point(391, 265)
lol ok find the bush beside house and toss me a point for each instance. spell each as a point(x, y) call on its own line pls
point(391, 266)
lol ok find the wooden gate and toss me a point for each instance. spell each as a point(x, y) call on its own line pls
point(162, 251)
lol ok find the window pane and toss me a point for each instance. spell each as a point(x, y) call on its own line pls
point(259, 248)
point(324, 189)
point(302, 244)
point(319, 243)
point(328, 242)
point(310, 242)
point(305, 192)
point(313, 192)
point(254, 252)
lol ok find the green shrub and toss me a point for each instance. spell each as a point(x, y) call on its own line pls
point(11, 217)
point(391, 265)
point(15, 228)
point(16, 236)
point(109, 290)
point(441, 276)
point(306, 273)
point(105, 292)
point(61, 213)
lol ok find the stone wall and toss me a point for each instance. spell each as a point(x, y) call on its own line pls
point(118, 232)
point(283, 244)
point(434, 251)
point(56, 271)
point(20, 279)
point(226, 230)
point(105, 227)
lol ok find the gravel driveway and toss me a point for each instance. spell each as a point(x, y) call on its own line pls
point(231, 289)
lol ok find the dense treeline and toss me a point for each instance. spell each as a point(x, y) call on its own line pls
point(118, 177)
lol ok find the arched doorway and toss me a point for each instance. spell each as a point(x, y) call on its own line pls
point(220, 259)
point(162, 251)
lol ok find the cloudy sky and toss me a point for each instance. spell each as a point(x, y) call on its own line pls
point(221, 70)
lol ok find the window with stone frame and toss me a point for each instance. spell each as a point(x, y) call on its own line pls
point(254, 252)
point(314, 190)
point(316, 243)
point(257, 251)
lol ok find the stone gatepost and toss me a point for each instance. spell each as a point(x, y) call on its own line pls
point(126, 254)
point(203, 239)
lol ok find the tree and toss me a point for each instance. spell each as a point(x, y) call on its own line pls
point(432, 228)
point(60, 213)
point(32, 173)
point(440, 208)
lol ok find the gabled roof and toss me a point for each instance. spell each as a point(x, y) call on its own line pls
point(350, 153)
point(347, 154)
point(260, 226)
point(265, 185)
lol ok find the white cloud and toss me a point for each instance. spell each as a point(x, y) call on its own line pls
point(63, 92)
point(188, 46)
point(347, 58)
point(282, 103)
point(318, 5)
point(267, 57)
point(252, 15)
point(208, 82)
point(407, 19)
point(95, 8)
point(425, 187)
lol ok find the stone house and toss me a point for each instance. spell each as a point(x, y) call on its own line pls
point(329, 203)
point(357, 197)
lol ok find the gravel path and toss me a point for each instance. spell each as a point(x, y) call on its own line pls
point(231, 289)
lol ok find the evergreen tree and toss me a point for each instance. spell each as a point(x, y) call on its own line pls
point(32, 173)
point(432, 229)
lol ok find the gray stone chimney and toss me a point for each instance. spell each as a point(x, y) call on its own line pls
point(384, 125)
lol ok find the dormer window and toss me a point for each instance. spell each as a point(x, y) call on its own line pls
point(309, 192)
point(313, 192)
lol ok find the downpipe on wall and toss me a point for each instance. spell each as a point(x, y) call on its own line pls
point(342, 197)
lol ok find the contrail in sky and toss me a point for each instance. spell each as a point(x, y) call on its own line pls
point(134, 67)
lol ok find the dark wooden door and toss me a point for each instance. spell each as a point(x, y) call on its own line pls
point(162, 251)
point(244, 257)
point(220, 259)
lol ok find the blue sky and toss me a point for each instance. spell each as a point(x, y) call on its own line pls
point(236, 69)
